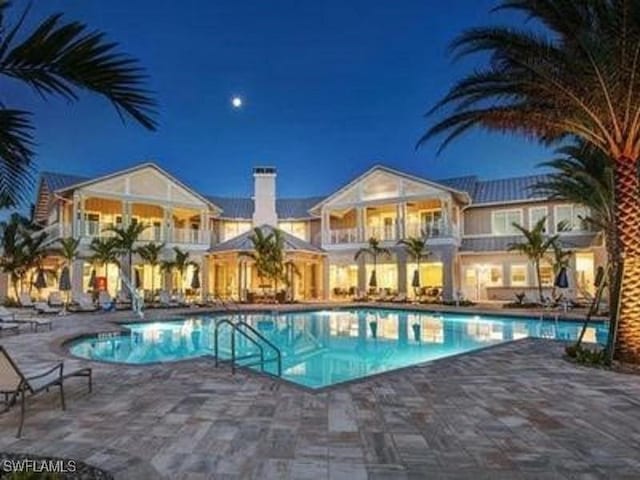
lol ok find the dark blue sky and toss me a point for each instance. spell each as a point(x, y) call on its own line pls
point(331, 87)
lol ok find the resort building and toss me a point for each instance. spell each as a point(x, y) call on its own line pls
point(468, 222)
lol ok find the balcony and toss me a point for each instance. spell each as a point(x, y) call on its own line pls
point(391, 233)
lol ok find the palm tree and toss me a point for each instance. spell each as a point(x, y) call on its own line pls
point(180, 264)
point(416, 248)
point(535, 247)
point(13, 260)
point(150, 254)
point(126, 239)
point(261, 254)
point(374, 250)
point(68, 250)
point(573, 72)
point(34, 252)
point(104, 251)
point(60, 58)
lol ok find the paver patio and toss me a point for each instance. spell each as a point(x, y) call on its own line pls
point(515, 411)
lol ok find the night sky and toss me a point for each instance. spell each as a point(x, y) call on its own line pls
point(330, 88)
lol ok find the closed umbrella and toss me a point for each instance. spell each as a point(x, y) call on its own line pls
point(40, 282)
point(92, 279)
point(195, 280)
point(373, 281)
point(65, 280)
point(562, 279)
point(415, 283)
point(136, 275)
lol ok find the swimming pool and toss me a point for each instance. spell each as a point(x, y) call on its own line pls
point(322, 348)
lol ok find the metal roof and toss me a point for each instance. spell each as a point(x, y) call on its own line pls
point(286, 208)
point(56, 181)
point(242, 243)
point(508, 190)
point(502, 243)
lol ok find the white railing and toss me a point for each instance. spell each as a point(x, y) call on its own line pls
point(435, 229)
point(383, 233)
point(343, 235)
point(189, 236)
point(153, 233)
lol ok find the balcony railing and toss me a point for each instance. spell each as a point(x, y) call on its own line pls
point(437, 229)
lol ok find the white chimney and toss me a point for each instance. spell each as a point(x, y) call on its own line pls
point(264, 197)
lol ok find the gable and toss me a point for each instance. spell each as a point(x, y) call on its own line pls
point(145, 183)
point(380, 185)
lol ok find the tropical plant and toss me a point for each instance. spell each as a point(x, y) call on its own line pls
point(535, 246)
point(59, 58)
point(181, 263)
point(572, 72)
point(416, 248)
point(14, 261)
point(126, 239)
point(68, 250)
point(150, 254)
point(104, 252)
point(374, 250)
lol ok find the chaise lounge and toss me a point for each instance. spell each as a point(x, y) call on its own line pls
point(14, 384)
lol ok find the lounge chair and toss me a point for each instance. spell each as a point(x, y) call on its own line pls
point(25, 300)
point(55, 299)
point(14, 384)
point(399, 298)
point(42, 307)
point(166, 301)
point(8, 317)
point(361, 297)
point(82, 302)
point(9, 327)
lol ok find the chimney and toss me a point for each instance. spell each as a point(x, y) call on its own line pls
point(264, 197)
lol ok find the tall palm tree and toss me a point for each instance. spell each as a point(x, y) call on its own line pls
point(374, 250)
point(416, 248)
point(13, 260)
point(573, 72)
point(126, 239)
point(60, 58)
point(150, 254)
point(535, 246)
point(34, 252)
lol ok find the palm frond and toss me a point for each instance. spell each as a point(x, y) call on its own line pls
point(16, 167)
point(60, 57)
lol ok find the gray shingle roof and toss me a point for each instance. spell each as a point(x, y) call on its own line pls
point(243, 243)
point(501, 244)
point(464, 184)
point(55, 181)
point(286, 208)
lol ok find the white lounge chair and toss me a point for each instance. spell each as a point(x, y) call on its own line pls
point(166, 301)
point(84, 303)
point(8, 317)
point(55, 299)
point(42, 307)
point(14, 384)
point(25, 300)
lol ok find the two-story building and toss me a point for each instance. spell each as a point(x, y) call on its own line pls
point(468, 223)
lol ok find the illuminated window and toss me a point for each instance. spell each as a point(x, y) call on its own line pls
point(502, 222)
point(546, 275)
point(494, 276)
point(518, 275)
point(233, 229)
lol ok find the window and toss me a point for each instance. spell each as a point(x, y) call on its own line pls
point(297, 229)
point(546, 275)
point(571, 218)
point(536, 214)
point(518, 275)
point(502, 222)
point(491, 275)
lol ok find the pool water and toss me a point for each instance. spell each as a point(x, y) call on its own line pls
point(322, 348)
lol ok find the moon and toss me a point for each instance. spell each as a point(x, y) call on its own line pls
point(236, 102)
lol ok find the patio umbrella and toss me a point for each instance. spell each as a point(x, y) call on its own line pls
point(40, 282)
point(136, 275)
point(65, 280)
point(373, 281)
point(562, 279)
point(195, 280)
point(415, 283)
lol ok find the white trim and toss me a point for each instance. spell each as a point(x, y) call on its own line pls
point(510, 202)
point(520, 212)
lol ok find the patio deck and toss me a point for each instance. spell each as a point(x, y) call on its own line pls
point(515, 411)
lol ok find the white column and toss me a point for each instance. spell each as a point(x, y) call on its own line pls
point(77, 271)
point(204, 277)
point(325, 226)
point(360, 214)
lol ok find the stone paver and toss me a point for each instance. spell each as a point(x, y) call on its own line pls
point(516, 411)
